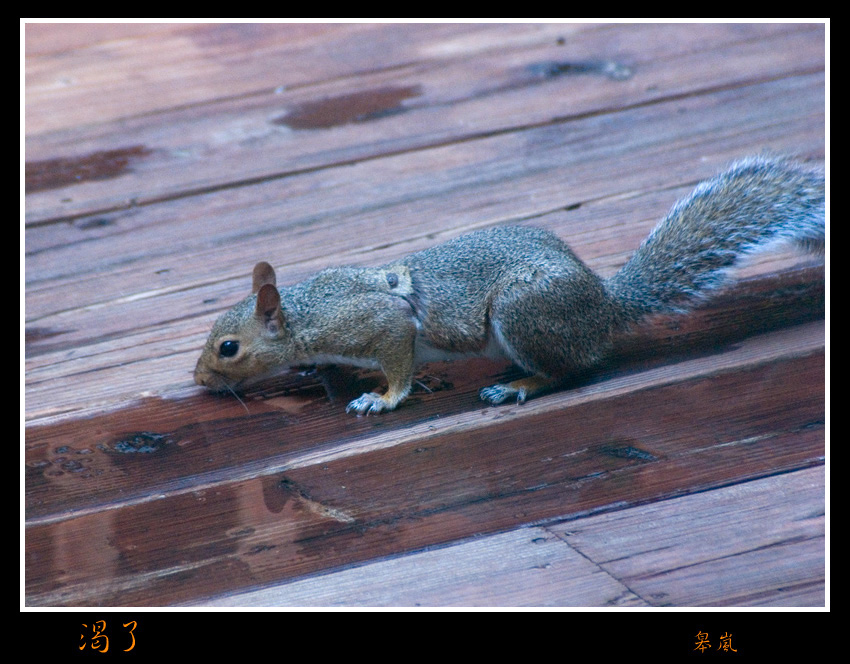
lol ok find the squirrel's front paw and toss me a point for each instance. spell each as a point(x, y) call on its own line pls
point(496, 394)
point(368, 403)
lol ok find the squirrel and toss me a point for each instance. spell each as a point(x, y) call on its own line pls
point(512, 291)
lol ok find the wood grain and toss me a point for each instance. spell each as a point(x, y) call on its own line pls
point(608, 558)
point(164, 160)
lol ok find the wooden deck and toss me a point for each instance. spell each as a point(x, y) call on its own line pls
point(163, 161)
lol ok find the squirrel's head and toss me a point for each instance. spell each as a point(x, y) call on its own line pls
point(245, 341)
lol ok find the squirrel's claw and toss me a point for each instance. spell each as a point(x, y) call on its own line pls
point(496, 394)
point(368, 403)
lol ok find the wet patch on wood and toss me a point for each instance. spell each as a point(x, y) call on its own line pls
point(99, 165)
point(350, 108)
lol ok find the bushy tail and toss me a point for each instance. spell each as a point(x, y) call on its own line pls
point(756, 202)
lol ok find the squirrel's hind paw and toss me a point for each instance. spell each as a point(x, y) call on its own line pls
point(496, 394)
point(521, 389)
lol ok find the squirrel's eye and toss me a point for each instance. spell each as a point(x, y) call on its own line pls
point(228, 348)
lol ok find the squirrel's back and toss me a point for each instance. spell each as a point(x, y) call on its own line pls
point(754, 203)
point(455, 283)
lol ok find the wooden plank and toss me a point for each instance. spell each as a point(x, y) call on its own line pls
point(524, 567)
point(754, 544)
point(384, 494)
point(669, 552)
point(333, 215)
point(151, 69)
point(241, 140)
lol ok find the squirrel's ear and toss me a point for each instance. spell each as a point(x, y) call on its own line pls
point(268, 307)
point(263, 274)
